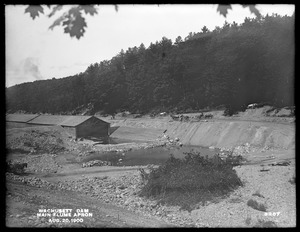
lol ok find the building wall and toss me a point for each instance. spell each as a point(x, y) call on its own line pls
point(70, 130)
point(93, 127)
point(10, 125)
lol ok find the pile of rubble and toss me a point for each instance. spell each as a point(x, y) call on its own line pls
point(38, 182)
point(33, 181)
point(96, 163)
point(44, 163)
point(36, 140)
point(188, 118)
point(265, 148)
point(169, 141)
point(242, 149)
point(122, 191)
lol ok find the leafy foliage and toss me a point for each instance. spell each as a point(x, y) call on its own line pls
point(223, 9)
point(89, 9)
point(76, 27)
point(235, 65)
point(202, 177)
point(72, 20)
point(55, 9)
point(74, 23)
point(255, 11)
point(34, 11)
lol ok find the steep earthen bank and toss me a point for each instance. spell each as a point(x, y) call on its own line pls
point(217, 133)
point(231, 134)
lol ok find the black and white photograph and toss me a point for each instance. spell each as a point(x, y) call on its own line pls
point(150, 116)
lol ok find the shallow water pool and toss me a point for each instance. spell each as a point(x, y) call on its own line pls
point(111, 140)
point(157, 155)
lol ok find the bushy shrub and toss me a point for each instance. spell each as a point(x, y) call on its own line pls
point(16, 167)
point(293, 180)
point(255, 205)
point(232, 109)
point(190, 180)
point(265, 224)
point(248, 221)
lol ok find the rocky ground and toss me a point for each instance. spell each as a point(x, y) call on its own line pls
point(54, 177)
point(275, 190)
point(24, 201)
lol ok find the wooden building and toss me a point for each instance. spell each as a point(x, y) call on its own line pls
point(77, 126)
point(86, 126)
point(19, 120)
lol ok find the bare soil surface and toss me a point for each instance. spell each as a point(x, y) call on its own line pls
point(54, 177)
point(24, 202)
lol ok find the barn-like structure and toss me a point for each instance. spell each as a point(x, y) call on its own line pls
point(77, 126)
point(19, 120)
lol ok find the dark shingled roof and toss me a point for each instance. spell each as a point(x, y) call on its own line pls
point(62, 120)
point(76, 120)
point(49, 119)
point(20, 117)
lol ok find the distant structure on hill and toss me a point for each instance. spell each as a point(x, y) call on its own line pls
point(76, 126)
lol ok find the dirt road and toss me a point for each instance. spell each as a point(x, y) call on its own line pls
point(24, 201)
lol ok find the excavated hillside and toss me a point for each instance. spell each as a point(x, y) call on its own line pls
point(253, 126)
point(231, 134)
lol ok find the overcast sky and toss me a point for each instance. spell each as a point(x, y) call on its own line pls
point(33, 52)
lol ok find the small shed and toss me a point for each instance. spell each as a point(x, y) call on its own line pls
point(77, 126)
point(86, 126)
point(19, 120)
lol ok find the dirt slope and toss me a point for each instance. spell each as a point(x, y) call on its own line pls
point(215, 132)
point(146, 134)
point(230, 134)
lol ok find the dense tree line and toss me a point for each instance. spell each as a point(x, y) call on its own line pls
point(233, 66)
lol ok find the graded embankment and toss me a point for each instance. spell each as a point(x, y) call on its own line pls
point(217, 133)
point(230, 134)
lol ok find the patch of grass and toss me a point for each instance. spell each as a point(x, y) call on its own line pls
point(265, 224)
point(255, 205)
point(186, 182)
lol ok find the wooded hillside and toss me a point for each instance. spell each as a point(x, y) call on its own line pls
point(234, 66)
